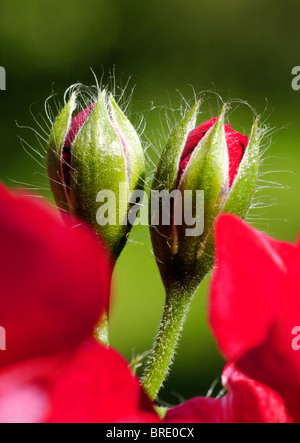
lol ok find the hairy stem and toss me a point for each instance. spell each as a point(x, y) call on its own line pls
point(161, 357)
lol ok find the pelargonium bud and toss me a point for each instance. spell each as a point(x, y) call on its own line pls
point(202, 173)
point(96, 157)
point(220, 162)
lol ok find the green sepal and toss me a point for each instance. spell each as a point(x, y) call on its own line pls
point(245, 183)
point(206, 171)
point(98, 164)
point(54, 154)
point(166, 179)
point(167, 170)
point(135, 155)
point(134, 158)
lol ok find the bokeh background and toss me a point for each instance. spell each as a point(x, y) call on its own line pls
point(238, 49)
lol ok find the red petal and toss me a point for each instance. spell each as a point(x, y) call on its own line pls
point(23, 403)
point(290, 310)
point(197, 410)
point(192, 142)
point(246, 402)
point(54, 280)
point(236, 144)
point(245, 291)
point(268, 366)
point(287, 339)
point(276, 362)
point(92, 384)
point(97, 386)
point(76, 124)
point(196, 136)
point(252, 402)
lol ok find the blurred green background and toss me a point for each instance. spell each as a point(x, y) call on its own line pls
point(241, 49)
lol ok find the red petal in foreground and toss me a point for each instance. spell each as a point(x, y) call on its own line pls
point(96, 385)
point(245, 291)
point(255, 305)
point(90, 385)
point(276, 361)
point(54, 280)
point(246, 402)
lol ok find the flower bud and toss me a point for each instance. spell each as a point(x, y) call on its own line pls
point(96, 157)
point(212, 169)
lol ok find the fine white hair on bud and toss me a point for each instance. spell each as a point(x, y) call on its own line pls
point(93, 150)
point(221, 162)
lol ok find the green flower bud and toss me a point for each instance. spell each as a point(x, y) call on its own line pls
point(205, 171)
point(95, 162)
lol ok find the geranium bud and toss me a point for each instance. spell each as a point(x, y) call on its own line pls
point(95, 160)
point(214, 159)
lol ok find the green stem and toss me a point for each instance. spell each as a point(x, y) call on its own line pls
point(157, 368)
point(101, 330)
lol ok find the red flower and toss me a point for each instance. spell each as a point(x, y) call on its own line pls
point(97, 386)
point(54, 280)
point(236, 144)
point(255, 305)
point(246, 402)
point(91, 385)
point(54, 285)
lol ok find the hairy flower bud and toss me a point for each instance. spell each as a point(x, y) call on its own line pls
point(96, 157)
point(212, 169)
